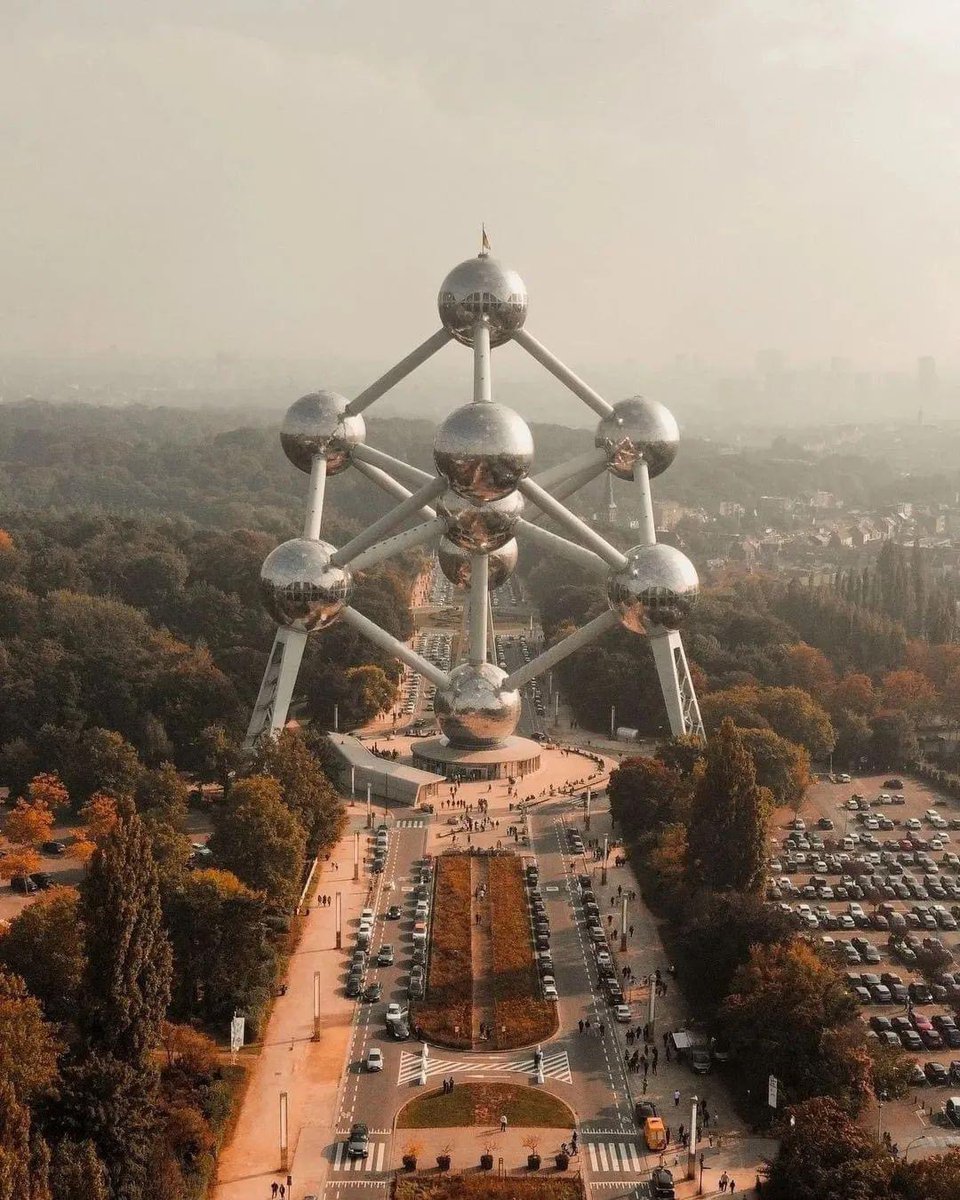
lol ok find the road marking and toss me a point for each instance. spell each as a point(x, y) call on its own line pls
point(556, 1066)
point(410, 824)
point(614, 1158)
point(373, 1162)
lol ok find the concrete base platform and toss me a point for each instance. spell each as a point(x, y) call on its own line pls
point(517, 756)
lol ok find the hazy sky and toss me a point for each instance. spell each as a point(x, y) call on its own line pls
point(280, 178)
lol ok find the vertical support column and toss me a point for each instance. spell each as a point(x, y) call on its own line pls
point(482, 386)
point(276, 689)
point(318, 486)
point(648, 528)
point(491, 634)
point(676, 684)
point(479, 574)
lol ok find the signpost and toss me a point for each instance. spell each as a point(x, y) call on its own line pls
point(772, 1091)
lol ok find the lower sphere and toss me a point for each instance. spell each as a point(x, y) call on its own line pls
point(301, 590)
point(658, 587)
point(480, 527)
point(456, 563)
point(474, 712)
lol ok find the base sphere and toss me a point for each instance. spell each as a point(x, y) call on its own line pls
point(474, 712)
point(300, 589)
point(658, 587)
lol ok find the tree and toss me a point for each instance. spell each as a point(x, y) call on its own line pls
point(77, 1173)
point(681, 754)
point(126, 986)
point(781, 766)
point(934, 1178)
point(222, 958)
point(824, 1155)
point(894, 741)
point(260, 840)
point(306, 790)
point(106, 762)
point(163, 793)
point(19, 861)
point(24, 1157)
point(728, 819)
point(641, 793)
point(669, 856)
point(854, 692)
point(99, 816)
point(30, 823)
point(28, 1051)
point(909, 691)
point(797, 717)
point(853, 737)
point(810, 669)
point(44, 945)
point(48, 789)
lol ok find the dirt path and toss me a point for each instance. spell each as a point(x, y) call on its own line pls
point(481, 948)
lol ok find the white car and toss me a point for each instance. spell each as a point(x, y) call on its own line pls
point(603, 957)
point(550, 990)
point(394, 1012)
point(375, 1059)
point(913, 823)
point(623, 1014)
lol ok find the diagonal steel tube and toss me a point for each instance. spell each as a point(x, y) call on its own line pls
point(391, 486)
point(549, 658)
point(391, 378)
point(386, 641)
point(420, 535)
point(553, 543)
point(573, 525)
point(559, 474)
point(556, 368)
point(403, 471)
point(389, 522)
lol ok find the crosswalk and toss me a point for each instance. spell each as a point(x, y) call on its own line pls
point(556, 1066)
point(409, 823)
point(373, 1163)
point(613, 1158)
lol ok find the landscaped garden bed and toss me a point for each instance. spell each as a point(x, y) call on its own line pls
point(487, 1187)
point(484, 1104)
point(448, 1006)
point(519, 1008)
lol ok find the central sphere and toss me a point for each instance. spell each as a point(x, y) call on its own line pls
point(319, 424)
point(482, 289)
point(639, 429)
point(483, 451)
point(474, 712)
point(658, 587)
point(300, 588)
point(456, 563)
point(480, 528)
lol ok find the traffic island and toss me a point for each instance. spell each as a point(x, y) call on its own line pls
point(446, 1015)
point(483, 1104)
point(487, 1187)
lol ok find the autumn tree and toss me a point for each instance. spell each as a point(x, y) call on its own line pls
point(30, 823)
point(727, 830)
point(305, 788)
point(163, 794)
point(824, 1155)
point(641, 793)
point(103, 761)
point(99, 816)
point(44, 945)
point(810, 669)
point(856, 693)
point(24, 1156)
point(933, 1178)
point(28, 1051)
point(20, 860)
point(781, 766)
point(76, 1172)
point(260, 840)
point(126, 985)
point(49, 789)
point(909, 691)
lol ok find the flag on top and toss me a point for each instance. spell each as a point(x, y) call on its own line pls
point(484, 240)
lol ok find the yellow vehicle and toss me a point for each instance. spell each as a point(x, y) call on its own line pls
point(654, 1133)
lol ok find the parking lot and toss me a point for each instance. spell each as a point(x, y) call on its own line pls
point(871, 868)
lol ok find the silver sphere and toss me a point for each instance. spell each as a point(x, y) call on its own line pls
point(456, 563)
point(658, 587)
point(474, 712)
point(319, 424)
point(639, 429)
point(482, 288)
point(480, 528)
point(483, 451)
point(300, 589)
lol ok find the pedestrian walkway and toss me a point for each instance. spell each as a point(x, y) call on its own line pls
point(556, 1066)
point(617, 1158)
point(481, 947)
point(409, 823)
point(375, 1161)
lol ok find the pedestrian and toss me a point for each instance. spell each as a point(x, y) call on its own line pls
point(581, 1026)
point(274, 1188)
point(503, 1124)
point(666, 1134)
point(733, 1186)
point(676, 1099)
point(631, 931)
point(723, 1181)
point(603, 1029)
point(283, 1190)
point(587, 1024)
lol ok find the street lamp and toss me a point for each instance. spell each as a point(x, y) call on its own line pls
point(881, 1097)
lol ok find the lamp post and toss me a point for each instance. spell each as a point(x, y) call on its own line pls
point(284, 1145)
point(356, 855)
point(881, 1097)
point(338, 911)
point(316, 1006)
point(603, 868)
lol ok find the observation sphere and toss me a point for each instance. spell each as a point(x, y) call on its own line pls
point(483, 451)
point(474, 712)
point(300, 589)
point(318, 424)
point(456, 563)
point(658, 586)
point(482, 288)
point(480, 528)
point(639, 429)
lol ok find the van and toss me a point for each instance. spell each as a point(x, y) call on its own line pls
point(654, 1134)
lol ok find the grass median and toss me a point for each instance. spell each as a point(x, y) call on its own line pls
point(449, 1004)
point(486, 1187)
point(484, 1104)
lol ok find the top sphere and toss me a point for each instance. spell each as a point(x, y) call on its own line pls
point(482, 288)
point(639, 430)
point(319, 424)
point(483, 451)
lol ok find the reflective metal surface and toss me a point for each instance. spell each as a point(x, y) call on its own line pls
point(455, 563)
point(480, 527)
point(482, 287)
point(639, 429)
point(316, 424)
point(659, 586)
point(483, 451)
point(473, 712)
point(300, 589)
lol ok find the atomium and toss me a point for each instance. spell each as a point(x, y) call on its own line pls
point(456, 563)
point(301, 590)
point(318, 424)
point(483, 450)
point(639, 430)
point(475, 710)
point(482, 289)
point(658, 587)
point(480, 528)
